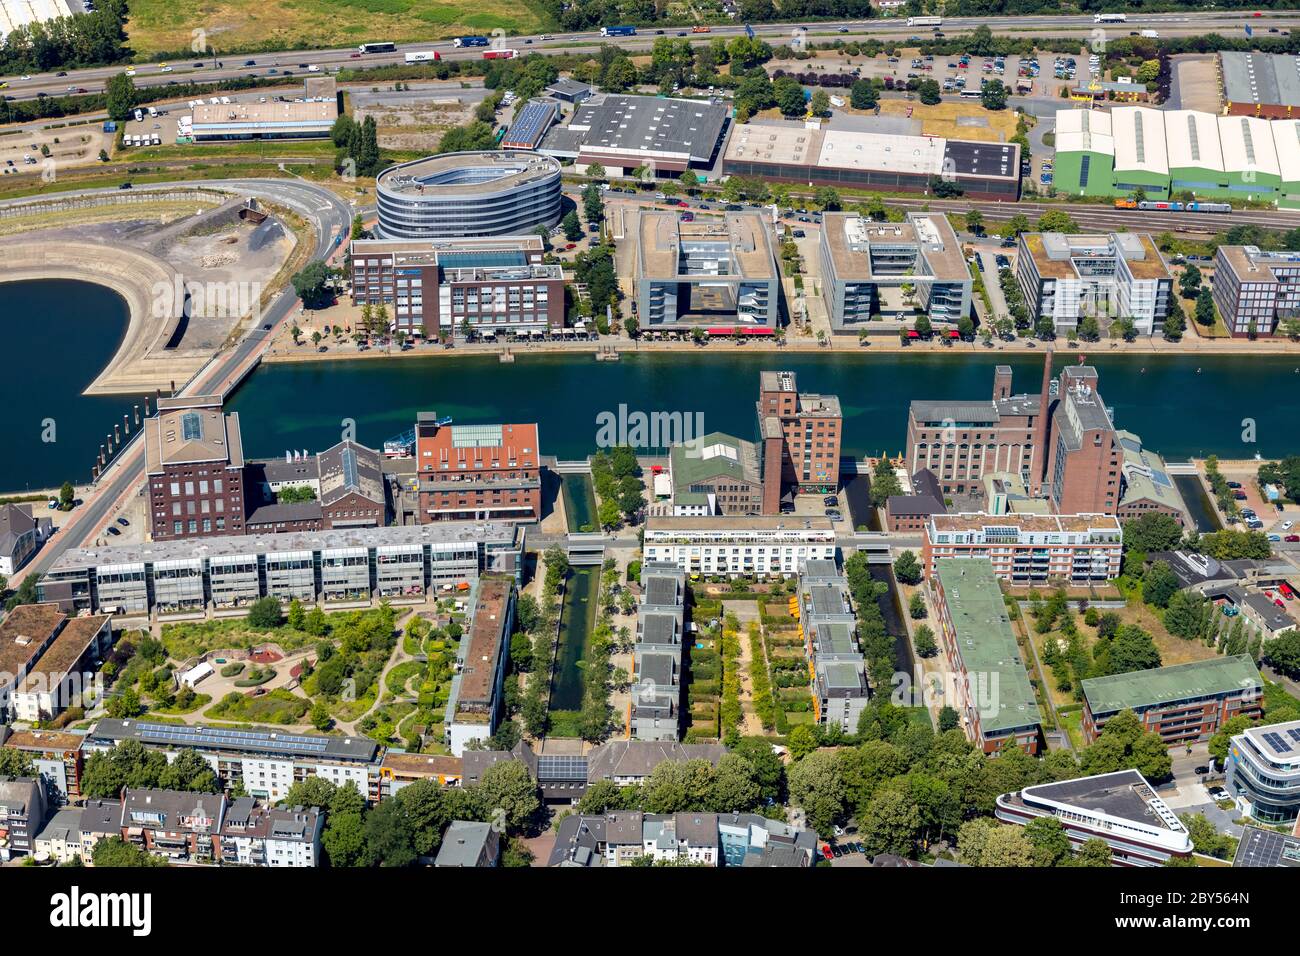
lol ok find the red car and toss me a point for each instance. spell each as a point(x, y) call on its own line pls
point(826, 851)
point(1285, 590)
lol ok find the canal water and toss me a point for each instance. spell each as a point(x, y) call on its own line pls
point(577, 620)
point(579, 502)
point(1182, 406)
point(58, 335)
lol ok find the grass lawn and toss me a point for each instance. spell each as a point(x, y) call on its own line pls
point(158, 26)
point(1072, 723)
point(186, 640)
point(274, 707)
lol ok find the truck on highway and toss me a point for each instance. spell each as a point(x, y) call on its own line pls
point(925, 21)
point(500, 54)
point(423, 56)
point(470, 41)
point(617, 31)
point(1110, 18)
point(1151, 34)
point(386, 46)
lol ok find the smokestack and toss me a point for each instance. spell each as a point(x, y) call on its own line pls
point(1038, 461)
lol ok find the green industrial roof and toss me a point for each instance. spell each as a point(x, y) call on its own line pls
point(1165, 685)
point(987, 644)
point(714, 456)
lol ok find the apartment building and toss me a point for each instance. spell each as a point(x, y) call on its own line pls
point(400, 564)
point(801, 434)
point(657, 663)
point(254, 835)
point(718, 276)
point(21, 536)
point(910, 512)
point(1263, 769)
point(874, 270)
point(468, 843)
point(828, 626)
point(474, 706)
point(993, 694)
point(56, 757)
point(178, 826)
point(491, 285)
point(25, 634)
point(194, 459)
point(625, 838)
point(1119, 808)
point(480, 472)
point(1029, 549)
point(399, 769)
point(959, 442)
point(1256, 290)
point(716, 475)
point(266, 764)
point(65, 674)
point(22, 812)
point(1182, 702)
point(1083, 473)
point(764, 546)
point(1118, 275)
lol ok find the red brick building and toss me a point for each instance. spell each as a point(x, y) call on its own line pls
point(800, 433)
point(195, 465)
point(477, 472)
point(1083, 473)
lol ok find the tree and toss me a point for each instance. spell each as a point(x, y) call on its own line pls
point(928, 92)
point(907, 568)
point(320, 716)
point(1123, 743)
point(1013, 227)
point(67, 496)
point(817, 787)
point(820, 104)
point(15, 763)
point(1132, 649)
point(572, 226)
point(884, 483)
point(507, 786)
point(264, 614)
point(1056, 220)
point(949, 719)
point(1049, 841)
point(916, 606)
point(802, 741)
point(975, 221)
point(863, 95)
point(311, 285)
point(1283, 653)
point(890, 824)
point(1094, 852)
point(1088, 329)
point(120, 96)
point(1159, 584)
point(993, 95)
point(595, 171)
point(113, 852)
point(828, 198)
point(1189, 283)
point(1205, 311)
point(924, 641)
point(789, 95)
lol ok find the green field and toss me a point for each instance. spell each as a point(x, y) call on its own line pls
point(168, 26)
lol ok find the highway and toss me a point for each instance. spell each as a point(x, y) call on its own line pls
point(204, 68)
point(331, 217)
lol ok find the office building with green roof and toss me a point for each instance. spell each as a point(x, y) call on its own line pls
point(1182, 702)
point(716, 475)
point(993, 693)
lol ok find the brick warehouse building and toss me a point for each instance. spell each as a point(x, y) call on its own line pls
point(1181, 702)
point(471, 472)
point(800, 434)
point(194, 459)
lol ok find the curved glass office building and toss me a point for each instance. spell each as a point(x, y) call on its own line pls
point(500, 193)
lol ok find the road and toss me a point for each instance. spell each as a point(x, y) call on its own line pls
point(331, 217)
point(297, 61)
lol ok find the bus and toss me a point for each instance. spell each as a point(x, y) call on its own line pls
point(423, 56)
point(970, 94)
point(617, 31)
point(378, 47)
point(500, 54)
point(470, 41)
point(924, 21)
point(1110, 18)
point(701, 29)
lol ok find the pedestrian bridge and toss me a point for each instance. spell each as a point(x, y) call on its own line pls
point(586, 548)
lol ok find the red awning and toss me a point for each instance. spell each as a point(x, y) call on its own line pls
point(720, 331)
point(913, 334)
point(759, 332)
point(954, 335)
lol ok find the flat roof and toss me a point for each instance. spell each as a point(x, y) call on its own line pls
point(466, 174)
point(1123, 794)
point(1278, 742)
point(488, 632)
point(1164, 685)
point(1027, 522)
point(437, 533)
point(188, 432)
point(271, 115)
point(203, 737)
point(744, 236)
point(850, 239)
point(649, 126)
point(1260, 847)
point(986, 642)
point(670, 523)
point(1271, 79)
point(1286, 145)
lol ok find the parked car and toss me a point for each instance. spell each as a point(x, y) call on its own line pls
point(113, 531)
point(826, 847)
point(123, 522)
point(831, 501)
point(1276, 538)
point(1201, 771)
point(1234, 484)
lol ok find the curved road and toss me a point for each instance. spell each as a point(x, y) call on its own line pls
point(233, 65)
point(331, 217)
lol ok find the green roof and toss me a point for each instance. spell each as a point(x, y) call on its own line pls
point(1164, 685)
point(715, 456)
point(987, 644)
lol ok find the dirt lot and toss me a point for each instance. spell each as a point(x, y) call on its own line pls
point(956, 119)
point(414, 123)
point(68, 146)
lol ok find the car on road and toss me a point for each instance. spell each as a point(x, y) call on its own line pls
point(1275, 538)
point(254, 62)
point(846, 30)
point(798, 233)
point(1287, 525)
point(165, 69)
point(1291, 539)
point(126, 185)
point(123, 522)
